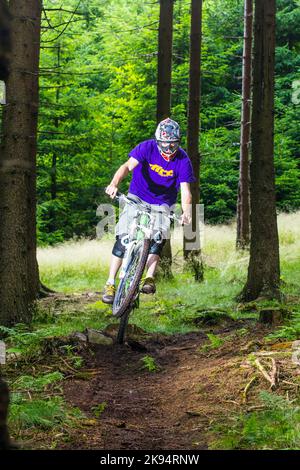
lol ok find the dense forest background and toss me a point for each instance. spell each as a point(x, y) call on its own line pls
point(98, 100)
point(212, 360)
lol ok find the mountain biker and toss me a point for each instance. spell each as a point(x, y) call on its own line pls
point(160, 167)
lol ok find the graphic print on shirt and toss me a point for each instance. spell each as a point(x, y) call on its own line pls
point(158, 169)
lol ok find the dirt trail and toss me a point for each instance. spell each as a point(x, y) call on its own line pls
point(173, 408)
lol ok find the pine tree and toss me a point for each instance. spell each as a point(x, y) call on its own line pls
point(264, 266)
point(164, 73)
point(5, 443)
point(19, 278)
point(4, 39)
point(193, 255)
point(243, 205)
point(164, 66)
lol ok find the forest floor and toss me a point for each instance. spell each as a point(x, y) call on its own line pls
point(194, 373)
point(171, 407)
point(194, 390)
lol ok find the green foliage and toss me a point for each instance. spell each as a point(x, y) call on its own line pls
point(30, 340)
point(290, 331)
point(214, 343)
point(98, 410)
point(149, 364)
point(98, 100)
point(40, 413)
point(37, 384)
point(276, 426)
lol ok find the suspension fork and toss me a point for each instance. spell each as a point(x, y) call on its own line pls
point(143, 230)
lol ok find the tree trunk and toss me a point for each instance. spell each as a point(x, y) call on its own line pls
point(264, 266)
point(19, 279)
point(243, 204)
point(4, 39)
point(194, 255)
point(53, 171)
point(5, 443)
point(164, 74)
point(56, 124)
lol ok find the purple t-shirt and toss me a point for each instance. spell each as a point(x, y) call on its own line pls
point(155, 180)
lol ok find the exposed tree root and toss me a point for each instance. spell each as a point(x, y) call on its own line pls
point(44, 291)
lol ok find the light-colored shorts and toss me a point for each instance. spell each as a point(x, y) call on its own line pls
point(161, 219)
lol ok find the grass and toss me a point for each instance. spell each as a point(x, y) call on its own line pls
point(75, 266)
point(37, 384)
point(82, 266)
point(276, 426)
point(214, 343)
point(36, 406)
point(50, 413)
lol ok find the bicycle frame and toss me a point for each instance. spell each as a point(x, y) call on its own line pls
point(146, 229)
point(138, 232)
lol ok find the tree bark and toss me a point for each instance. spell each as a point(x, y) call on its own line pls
point(164, 72)
point(243, 203)
point(19, 278)
point(193, 133)
point(4, 39)
point(264, 265)
point(164, 76)
point(53, 170)
point(5, 443)
point(53, 189)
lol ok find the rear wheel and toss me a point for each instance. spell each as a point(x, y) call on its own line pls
point(128, 287)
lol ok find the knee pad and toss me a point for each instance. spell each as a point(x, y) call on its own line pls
point(118, 248)
point(156, 248)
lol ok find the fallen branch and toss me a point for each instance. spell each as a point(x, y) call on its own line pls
point(256, 408)
point(274, 373)
point(69, 367)
point(268, 353)
point(247, 388)
point(232, 401)
point(270, 378)
point(290, 383)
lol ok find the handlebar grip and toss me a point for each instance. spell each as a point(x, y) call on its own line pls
point(117, 196)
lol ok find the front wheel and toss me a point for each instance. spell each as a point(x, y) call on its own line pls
point(122, 327)
point(128, 287)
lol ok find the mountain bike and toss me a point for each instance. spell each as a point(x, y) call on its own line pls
point(137, 246)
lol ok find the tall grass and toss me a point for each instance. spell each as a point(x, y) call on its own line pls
point(77, 266)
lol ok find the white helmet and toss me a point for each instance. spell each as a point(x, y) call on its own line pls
point(167, 136)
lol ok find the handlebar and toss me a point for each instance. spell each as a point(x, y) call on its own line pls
point(120, 196)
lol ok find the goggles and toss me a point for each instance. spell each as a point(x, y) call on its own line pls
point(168, 148)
